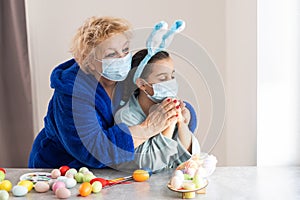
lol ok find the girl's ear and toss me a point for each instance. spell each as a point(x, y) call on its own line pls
point(140, 83)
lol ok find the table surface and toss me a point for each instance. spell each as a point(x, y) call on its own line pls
point(226, 183)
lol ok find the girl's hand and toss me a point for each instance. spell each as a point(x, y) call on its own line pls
point(186, 115)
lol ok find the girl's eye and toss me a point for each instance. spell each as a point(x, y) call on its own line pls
point(126, 50)
point(162, 78)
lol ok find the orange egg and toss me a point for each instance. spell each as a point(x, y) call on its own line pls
point(140, 175)
point(85, 189)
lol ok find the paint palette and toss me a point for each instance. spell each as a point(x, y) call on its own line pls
point(36, 176)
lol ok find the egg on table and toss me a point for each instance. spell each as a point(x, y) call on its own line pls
point(63, 193)
point(41, 186)
point(19, 190)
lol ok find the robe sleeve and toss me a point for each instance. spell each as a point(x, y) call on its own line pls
point(87, 136)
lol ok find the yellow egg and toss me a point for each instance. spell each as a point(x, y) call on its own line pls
point(27, 184)
point(6, 185)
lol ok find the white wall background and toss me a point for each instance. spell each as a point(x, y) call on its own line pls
point(278, 82)
point(225, 28)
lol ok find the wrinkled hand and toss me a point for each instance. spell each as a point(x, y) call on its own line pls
point(161, 116)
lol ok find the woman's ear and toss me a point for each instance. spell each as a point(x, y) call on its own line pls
point(140, 83)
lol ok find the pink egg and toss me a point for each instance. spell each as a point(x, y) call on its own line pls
point(58, 184)
point(41, 186)
point(62, 193)
point(191, 171)
point(55, 173)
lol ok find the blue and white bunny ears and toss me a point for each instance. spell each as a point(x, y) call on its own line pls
point(159, 39)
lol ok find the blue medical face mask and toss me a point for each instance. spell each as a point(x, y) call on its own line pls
point(116, 69)
point(163, 90)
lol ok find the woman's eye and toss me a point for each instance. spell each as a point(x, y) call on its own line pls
point(126, 50)
point(110, 55)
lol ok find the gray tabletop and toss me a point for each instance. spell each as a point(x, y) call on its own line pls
point(226, 183)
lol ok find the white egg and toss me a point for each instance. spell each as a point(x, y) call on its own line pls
point(51, 182)
point(4, 195)
point(83, 170)
point(70, 173)
point(70, 183)
point(19, 190)
point(62, 178)
point(88, 173)
point(41, 186)
point(176, 182)
point(179, 173)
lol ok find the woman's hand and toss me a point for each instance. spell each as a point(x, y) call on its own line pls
point(160, 117)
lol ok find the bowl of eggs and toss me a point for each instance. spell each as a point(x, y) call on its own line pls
point(191, 176)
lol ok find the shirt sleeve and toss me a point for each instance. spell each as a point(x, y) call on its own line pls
point(183, 154)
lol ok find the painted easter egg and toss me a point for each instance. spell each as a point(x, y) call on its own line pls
point(4, 195)
point(5, 185)
point(104, 182)
point(62, 178)
point(41, 186)
point(140, 175)
point(70, 173)
point(64, 169)
point(70, 183)
point(58, 184)
point(88, 177)
point(176, 182)
point(78, 177)
point(19, 190)
point(27, 184)
point(179, 173)
point(2, 176)
point(63, 193)
point(85, 189)
point(55, 173)
point(96, 187)
point(83, 170)
point(2, 169)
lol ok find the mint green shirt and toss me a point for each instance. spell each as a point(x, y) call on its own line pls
point(158, 152)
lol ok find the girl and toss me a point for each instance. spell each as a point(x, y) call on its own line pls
point(176, 143)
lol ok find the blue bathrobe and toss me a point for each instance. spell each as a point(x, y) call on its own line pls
point(79, 127)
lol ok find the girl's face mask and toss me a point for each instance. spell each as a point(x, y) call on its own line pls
point(163, 90)
point(116, 69)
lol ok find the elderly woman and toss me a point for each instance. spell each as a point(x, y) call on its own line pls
point(79, 128)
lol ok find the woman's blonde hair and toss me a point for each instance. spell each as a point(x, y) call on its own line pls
point(92, 32)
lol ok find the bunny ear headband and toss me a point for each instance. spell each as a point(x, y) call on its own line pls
point(159, 39)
